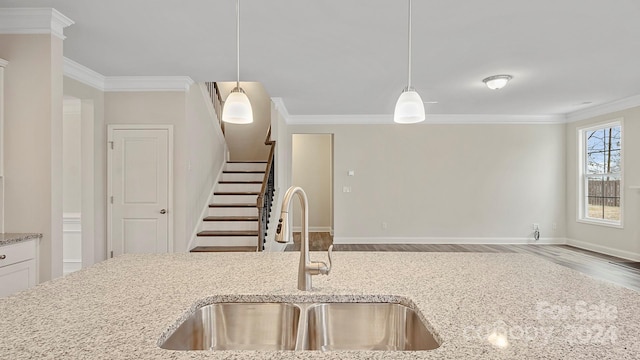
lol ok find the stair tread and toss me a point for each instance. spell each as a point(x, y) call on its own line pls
point(243, 172)
point(236, 193)
point(231, 218)
point(228, 233)
point(247, 162)
point(232, 205)
point(239, 182)
point(223, 249)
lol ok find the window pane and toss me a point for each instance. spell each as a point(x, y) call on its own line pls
point(595, 162)
point(614, 162)
point(616, 138)
point(595, 140)
point(603, 150)
point(603, 198)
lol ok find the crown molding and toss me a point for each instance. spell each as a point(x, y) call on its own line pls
point(148, 83)
point(445, 119)
point(603, 109)
point(33, 21)
point(94, 79)
point(3, 62)
point(83, 74)
point(432, 119)
point(489, 119)
point(281, 107)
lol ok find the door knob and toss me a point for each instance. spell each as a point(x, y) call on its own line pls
point(163, 211)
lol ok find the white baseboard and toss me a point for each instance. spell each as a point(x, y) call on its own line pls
point(449, 240)
point(205, 208)
point(314, 229)
point(604, 249)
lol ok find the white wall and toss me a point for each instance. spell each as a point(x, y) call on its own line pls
point(618, 242)
point(71, 157)
point(93, 169)
point(206, 151)
point(312, 171)
point(33, 143)
point(246, 142)
point(447, 183)
point(71, 185)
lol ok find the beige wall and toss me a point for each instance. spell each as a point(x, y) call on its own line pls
point(620, 242)
point(33, 143)
point(312, 171)
point(158, 108)
point(447, 183)
point(199, 148)
point(93, 168)
point(206, 151)
point(246, 142)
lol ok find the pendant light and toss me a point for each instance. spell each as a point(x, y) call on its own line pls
point(237, 108)
point(409, 107)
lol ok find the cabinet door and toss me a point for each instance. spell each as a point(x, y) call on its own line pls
point(16, 277)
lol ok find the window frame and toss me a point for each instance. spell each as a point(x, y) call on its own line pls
point(581, 213)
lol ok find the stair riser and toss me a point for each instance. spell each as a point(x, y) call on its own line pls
point(245, 166)
point(241, 177)
point(234, 199)
point(230, 225)
point(238, 187)
point(226, 241)
point(250, 211)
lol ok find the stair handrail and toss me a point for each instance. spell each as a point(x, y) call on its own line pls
point(265, 197)
point(216, 99)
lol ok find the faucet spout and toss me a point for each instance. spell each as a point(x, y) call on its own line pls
point(306, 267)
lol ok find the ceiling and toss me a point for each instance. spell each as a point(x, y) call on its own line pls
point(349, 57)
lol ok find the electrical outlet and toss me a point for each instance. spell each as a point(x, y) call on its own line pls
point(536, 226)
point(346, 189)
point(385, 226)
point(554, 226)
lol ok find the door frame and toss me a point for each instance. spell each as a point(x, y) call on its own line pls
point(110, 129)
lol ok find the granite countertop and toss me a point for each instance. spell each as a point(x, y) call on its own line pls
point(480, 306)
point(12, 238)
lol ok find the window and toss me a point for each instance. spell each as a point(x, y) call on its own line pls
point(601, 174)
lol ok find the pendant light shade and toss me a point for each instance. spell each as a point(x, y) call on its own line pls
point(237, 108)
point(409, 107)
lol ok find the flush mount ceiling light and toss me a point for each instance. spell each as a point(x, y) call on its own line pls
point(237, 108)
point(497, 82)
point(409, 107)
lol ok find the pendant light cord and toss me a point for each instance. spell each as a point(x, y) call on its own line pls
point(238, 43)
point(409, 61)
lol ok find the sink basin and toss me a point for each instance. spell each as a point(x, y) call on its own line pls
point(366, 326)
point(238, 326)
point(302, 326)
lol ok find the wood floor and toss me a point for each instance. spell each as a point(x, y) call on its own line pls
point(609, 268)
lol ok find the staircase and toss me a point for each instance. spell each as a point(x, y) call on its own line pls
point(232, 222)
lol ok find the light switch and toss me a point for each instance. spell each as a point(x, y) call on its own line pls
point(351, 173)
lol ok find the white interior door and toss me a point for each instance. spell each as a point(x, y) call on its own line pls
point(140, 163)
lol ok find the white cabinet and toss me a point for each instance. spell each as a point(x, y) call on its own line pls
point(18, 269)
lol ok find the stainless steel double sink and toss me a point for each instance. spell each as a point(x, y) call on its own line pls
point(302, 326)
